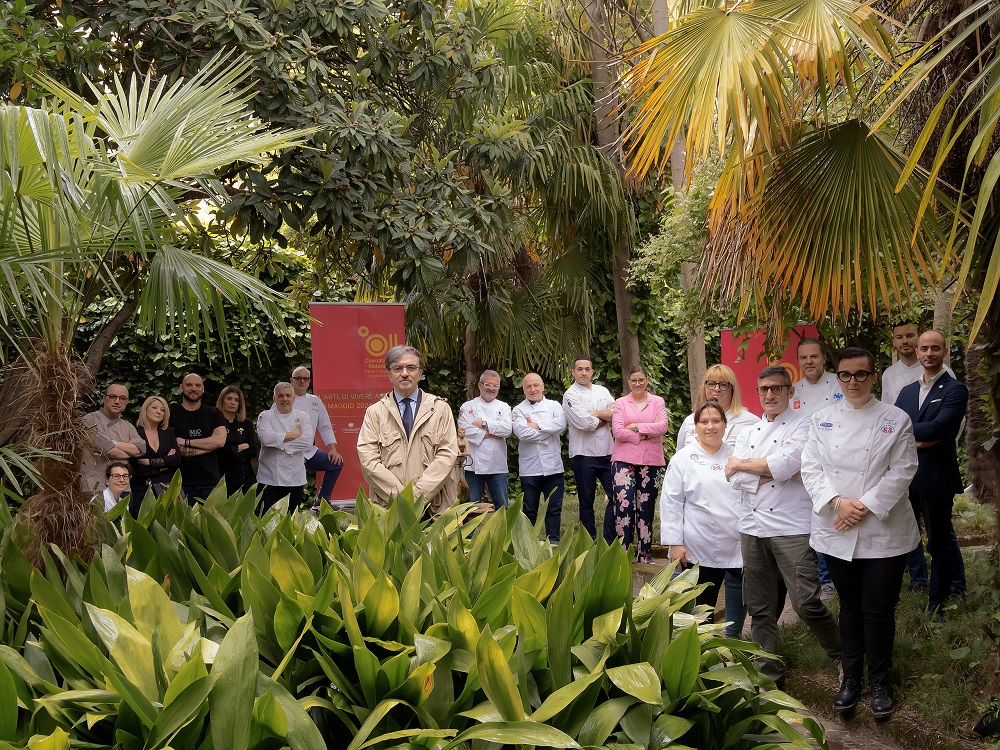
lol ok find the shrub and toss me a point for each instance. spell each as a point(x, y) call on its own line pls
point(211, 627)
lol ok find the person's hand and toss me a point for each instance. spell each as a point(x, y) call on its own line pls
point(634, 427)
point(294, 434)
point(172, 452)
point(335, 458)
point(477, 423)
point(242, 447)
point(531, 422)
point(850, 512)
point(732, 466)
point(143, 461)
point(927, 443)
point(679, 553)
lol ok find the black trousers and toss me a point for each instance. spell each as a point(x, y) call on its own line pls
point(936, 512)
point(868, 591)
point(271, 494)
point(588, 471)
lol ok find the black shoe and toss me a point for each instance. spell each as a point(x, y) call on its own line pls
point(882, 705)
point(847, 698)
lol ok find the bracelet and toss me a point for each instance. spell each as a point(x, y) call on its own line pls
point(836, 506)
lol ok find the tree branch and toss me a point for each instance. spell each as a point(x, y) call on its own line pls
point(103, 341)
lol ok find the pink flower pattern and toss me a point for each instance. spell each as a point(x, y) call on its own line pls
point(635, 491)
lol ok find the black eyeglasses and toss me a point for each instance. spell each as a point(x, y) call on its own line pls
point(712, 385)
point(860, 376)
point(763, 390)
point(118, 476)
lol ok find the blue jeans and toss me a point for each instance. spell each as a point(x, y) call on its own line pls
point(824, 572)
point(320, 461)
point(497, 484)
point(551, 486)
point(194, 492)
point(588, 471)
point(736, 610)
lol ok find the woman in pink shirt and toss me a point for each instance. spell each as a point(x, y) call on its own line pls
point(638, 422)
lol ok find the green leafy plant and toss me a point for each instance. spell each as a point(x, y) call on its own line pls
point(211, 626)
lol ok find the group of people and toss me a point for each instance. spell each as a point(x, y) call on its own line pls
point(210, 443)
point(827, 470)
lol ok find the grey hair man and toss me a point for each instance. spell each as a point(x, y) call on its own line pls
point(409, 437)
point(285, 435)
point(487, 423)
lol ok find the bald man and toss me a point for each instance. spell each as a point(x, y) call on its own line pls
point(936, 404)
point(201, 431)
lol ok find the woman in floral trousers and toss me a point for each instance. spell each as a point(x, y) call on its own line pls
point(639, 421)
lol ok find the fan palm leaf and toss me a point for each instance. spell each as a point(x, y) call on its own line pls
point(825, 226)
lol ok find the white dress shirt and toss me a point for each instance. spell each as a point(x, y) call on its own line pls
point(588, 436)
point(735, 424)
point(809, 397)
point(487, 448)
point(926, 386)
point(699, 508)
point(779, 506)
point(866, 454)
point(539, 452)
point(313, 405)
point(282, 463)
point(898, 375)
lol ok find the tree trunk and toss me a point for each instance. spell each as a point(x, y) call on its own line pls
point(473, 367)
point(104, 339)
point(606, 101)
point(983, 464)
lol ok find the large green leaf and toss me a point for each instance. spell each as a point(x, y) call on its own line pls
point(8, 704)
point(515, 733)
point(602, 721)
point(235, 670)
point(131, 652)
point(496, 678)
point(381, 605)
point(681, 662)
point(639, 680)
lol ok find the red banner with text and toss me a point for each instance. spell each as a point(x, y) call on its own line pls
point(746, 355)
point(349, 344)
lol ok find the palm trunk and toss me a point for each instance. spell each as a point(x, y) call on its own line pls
point(606, 103)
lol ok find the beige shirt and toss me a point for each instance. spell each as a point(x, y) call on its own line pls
point(102, 434)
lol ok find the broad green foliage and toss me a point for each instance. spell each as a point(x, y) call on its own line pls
point(211, 627)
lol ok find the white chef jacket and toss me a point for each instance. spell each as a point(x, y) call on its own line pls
point(588, 436)
point(313, 405)
point(539, 452)
point(867, 454)
point(735, 424)
point(809, 397)
point(699, 508)
point(487, 450)
point(281, 463)
point(780, 506)
point(898, 375)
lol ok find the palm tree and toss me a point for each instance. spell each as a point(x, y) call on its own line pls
point(94, 201)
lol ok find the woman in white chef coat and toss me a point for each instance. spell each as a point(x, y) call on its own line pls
point(720, 384)
point(699, 512)
point(857, 465)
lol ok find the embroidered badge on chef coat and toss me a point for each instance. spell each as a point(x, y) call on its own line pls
point(826, 425)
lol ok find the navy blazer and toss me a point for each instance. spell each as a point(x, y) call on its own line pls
point(940, 419)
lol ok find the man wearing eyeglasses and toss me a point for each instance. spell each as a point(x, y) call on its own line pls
point(324, 459)
point(775, 521)
point(936, 404)
point(487, 424)
point(408, 437)
point(109, 438)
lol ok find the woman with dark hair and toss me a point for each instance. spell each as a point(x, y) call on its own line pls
point(237, 456)
point(699, 512)
point(117, 478)
point(857, 465)
point(155, 468)
point(638, 423)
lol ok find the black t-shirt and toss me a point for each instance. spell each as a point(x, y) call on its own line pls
point(201, 423)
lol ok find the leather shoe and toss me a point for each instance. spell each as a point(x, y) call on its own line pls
point(882, 705)
point(847, 698)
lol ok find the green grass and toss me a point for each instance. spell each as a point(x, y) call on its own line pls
point(973, 519)
point(943, 671)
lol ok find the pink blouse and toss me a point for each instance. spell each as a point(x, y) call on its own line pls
point(645, 447)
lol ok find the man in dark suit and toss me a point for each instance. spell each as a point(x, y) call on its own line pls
point(936, 404)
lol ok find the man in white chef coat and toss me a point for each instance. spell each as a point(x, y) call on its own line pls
point(818, 388)
point(538, 422)
point(486, 420)
point(775, 521)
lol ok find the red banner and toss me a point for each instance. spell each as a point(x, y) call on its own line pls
point(749, 361)
point(349, 344)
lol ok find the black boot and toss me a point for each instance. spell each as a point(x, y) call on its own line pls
point(847, 698)
point(882, 705)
